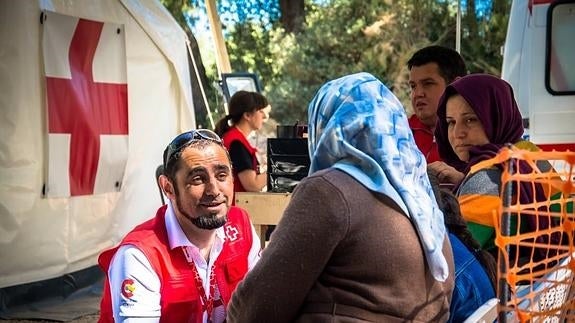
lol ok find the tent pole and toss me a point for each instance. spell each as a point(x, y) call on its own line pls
point(222, 58)
point(201, 85)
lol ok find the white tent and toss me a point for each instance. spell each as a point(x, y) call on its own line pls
point(42, 237)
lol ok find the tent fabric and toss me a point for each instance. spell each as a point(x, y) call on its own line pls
point(41, 237)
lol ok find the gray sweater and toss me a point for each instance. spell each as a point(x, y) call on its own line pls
point(339, 243)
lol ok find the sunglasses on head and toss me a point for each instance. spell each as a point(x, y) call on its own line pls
point(185, 139)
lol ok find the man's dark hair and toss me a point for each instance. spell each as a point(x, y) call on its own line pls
point(449, 62)
point(173, 165)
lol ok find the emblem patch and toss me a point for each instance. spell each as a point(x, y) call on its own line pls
point(128, 288)
point(232, 233)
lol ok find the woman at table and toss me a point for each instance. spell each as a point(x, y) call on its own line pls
point(247, 113)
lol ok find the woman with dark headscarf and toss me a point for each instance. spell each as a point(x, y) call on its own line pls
point(478, 115)
point(362, 239)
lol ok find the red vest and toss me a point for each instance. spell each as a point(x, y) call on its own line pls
point(230, 136)
point(424, 139)
point(179, 300)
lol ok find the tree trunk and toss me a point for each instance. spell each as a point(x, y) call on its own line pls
point(292, 15)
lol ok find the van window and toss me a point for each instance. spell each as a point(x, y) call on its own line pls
point(559, 65)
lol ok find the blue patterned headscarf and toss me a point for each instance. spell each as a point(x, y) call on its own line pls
point(359, 127)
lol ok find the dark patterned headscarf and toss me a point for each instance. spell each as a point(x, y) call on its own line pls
point(494, 104)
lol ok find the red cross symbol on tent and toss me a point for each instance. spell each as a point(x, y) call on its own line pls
point(85, 109)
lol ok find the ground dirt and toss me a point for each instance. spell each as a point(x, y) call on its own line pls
point(84, 319)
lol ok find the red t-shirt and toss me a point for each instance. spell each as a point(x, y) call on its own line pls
point(424, 139)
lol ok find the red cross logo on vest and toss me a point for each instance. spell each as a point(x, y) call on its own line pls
point(232, 232)
point(85, 109)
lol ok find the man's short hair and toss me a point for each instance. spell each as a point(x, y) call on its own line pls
point(451, 65)
point(198, 139)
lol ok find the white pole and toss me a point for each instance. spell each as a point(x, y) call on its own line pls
point(458, 28)
point(210, 117)
point(222, 59)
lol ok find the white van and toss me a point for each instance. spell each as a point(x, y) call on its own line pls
point(539, 62)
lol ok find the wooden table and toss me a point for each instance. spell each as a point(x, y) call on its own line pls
point(264, 209)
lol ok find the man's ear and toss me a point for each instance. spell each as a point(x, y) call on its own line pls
point(167, 186)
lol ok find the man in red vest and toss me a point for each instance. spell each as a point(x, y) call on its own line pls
point(431, 69)
point(184, 264)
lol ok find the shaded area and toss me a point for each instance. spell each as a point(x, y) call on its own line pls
point(69, 297)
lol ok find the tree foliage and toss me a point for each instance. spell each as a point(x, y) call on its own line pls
point(337, 37)
point(484, 36)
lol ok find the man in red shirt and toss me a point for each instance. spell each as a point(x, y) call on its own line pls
point(431, 69)
point(184, 264)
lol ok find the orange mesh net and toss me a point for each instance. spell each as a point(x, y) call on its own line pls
point(536, 290)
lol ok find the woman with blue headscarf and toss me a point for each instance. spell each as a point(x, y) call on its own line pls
point(362, 238)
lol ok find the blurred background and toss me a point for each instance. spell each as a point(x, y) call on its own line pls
point(294, 46)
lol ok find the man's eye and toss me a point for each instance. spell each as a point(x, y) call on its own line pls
point(222, 176)
point(197, 180)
